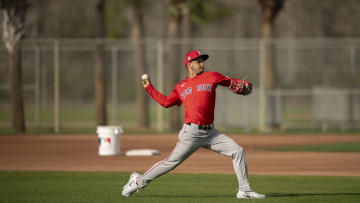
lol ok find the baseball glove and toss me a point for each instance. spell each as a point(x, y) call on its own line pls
point(241, 87)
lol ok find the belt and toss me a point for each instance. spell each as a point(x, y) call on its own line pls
point(202, 127)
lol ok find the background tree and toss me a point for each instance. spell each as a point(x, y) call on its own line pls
point(39, 6)
point(100, 69)
point(270, 9)
point(174, 56)
point(13, 33)
point(197, 13)
point(138, 35)
point(185, 17)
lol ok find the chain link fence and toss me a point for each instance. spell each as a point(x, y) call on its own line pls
point(317, 82)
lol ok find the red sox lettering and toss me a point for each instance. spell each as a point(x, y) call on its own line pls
point(199, 88)
point(204, 87)
point(186, 92)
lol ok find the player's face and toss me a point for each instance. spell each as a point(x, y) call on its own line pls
point(197, 66)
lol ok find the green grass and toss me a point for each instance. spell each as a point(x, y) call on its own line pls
point(337, 147)
point(106, 187)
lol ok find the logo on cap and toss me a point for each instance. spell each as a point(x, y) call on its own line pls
point(194, 54)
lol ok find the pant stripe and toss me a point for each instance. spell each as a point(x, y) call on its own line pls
point(160, 162)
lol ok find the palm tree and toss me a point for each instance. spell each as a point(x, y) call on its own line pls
point(270, 9)
point(138, 34)
point(12, 34)
point(174, 32)
point(183, 14)
point(100, 69)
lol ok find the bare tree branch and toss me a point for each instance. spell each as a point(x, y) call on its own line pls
point(12, 27)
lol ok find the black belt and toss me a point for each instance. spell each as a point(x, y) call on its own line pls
point(203, 127)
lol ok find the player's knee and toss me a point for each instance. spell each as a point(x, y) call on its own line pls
point(239, 151)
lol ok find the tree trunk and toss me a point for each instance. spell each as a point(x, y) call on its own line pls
point(12, 34)
point(269, 50)
point(186, 29)
point(270, 10)
point(173, 64)
point(18, 116)
point(40, 19)
point(140, 68)
point(100, 85)
point(100, 71)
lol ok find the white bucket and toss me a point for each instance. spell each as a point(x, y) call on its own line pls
point(109, 140)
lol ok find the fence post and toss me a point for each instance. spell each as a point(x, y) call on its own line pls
point(262, 86)
point(56, 87)
point(160, 81)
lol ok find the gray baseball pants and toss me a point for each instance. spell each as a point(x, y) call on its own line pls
point(191, 138)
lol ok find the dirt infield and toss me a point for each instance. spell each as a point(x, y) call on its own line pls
point(79, 153)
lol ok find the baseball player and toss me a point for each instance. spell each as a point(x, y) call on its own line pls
point(197, 94)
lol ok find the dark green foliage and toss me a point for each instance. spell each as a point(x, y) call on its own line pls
point(209, 11)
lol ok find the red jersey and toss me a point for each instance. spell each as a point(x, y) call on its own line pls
point(197, 94)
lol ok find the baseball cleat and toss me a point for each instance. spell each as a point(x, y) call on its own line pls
point(131, 185)
point(249, 195)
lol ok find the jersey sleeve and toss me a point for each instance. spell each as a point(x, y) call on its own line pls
point(221, 79)
point(165, 101)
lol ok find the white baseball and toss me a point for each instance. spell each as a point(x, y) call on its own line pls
point(145, 77)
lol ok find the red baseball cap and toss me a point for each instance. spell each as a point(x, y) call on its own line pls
point(193, 55)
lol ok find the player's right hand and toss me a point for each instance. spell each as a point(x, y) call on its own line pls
point(145, 82)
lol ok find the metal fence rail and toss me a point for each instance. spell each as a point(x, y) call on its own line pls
point(317, 86)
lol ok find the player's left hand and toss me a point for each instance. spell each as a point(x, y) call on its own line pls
point(247, 89)
point(241, 87)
